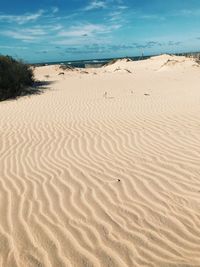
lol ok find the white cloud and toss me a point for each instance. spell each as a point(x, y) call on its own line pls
point(188, 12)
point(88, 30)
point(56, 27)
point(115, 15)
point(34, 33)
point(55, 10)
point(83, 30)
point(19, 35)
point(22, 19)
point(86, 34)
point(46, 28)
point(150, 16)
point(78, 41)
point(95, 4)
point(13, 47)
point(122, 7)
point(31, 34)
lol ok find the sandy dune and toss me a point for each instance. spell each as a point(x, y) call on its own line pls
point(95, 179)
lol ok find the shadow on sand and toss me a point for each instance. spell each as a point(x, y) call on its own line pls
point(37, 88)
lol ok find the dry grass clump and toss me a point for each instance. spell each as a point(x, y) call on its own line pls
point(15, 76)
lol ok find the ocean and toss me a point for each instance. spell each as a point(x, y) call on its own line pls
point(88, 63)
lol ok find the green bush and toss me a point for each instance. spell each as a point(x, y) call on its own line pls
point(14, 77)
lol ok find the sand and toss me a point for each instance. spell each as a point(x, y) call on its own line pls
point(103, 168)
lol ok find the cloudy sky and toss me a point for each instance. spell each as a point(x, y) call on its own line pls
point(54, 30)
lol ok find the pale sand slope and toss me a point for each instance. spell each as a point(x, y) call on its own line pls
point(62, 152)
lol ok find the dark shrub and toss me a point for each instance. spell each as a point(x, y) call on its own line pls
point(66, 67)
point(14, 77)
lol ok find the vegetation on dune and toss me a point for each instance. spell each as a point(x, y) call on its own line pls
point(113, 61)
point(66, 67)
point(15, 76)
point(197, 59)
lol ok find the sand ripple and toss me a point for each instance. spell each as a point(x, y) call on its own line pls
point(93, 181)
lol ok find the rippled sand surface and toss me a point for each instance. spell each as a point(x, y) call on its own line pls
point(103, 168)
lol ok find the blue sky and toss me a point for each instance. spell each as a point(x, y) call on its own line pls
point(54, 30)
